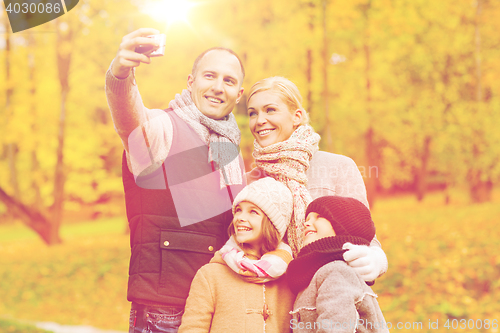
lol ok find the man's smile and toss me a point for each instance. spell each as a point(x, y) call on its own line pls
point(214, 99)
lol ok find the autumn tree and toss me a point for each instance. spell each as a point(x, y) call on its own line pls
point(48, 152)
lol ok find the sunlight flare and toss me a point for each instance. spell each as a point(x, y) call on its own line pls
point(168, 11)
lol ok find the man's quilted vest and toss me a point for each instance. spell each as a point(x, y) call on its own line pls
point(165, 255)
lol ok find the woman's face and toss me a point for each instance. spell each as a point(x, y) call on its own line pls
point(270, 119)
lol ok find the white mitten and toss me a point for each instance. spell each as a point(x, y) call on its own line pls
point(368, 261)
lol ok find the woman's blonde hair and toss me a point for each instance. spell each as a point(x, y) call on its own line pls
point(270, 237)
point(288, 91)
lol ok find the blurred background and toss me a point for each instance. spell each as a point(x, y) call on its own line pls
point(408, 89)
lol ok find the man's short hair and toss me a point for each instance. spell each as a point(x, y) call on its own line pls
point(218, 48)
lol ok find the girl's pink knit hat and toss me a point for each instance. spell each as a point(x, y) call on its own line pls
point(273, 198)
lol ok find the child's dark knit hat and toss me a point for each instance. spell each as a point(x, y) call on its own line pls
point(348, 216)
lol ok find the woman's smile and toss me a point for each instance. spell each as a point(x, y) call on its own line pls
point(265, 132)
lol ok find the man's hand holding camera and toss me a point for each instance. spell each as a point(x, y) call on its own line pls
point(136, 47)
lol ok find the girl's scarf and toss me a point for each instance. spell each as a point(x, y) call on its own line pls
point(315, 255)
point(287, 162)
point(222, 137)
point(269, 267)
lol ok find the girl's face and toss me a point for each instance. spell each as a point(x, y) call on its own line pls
point(270, 119)
point(247, 223)
point(316, 227)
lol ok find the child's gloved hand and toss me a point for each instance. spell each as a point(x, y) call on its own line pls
point(368, 261)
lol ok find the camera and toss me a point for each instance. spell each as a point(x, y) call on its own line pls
point(161, 39)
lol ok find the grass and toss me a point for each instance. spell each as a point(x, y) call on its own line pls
point(18, 232)
point(80, 282)
point(444, 264)
point(10, 326)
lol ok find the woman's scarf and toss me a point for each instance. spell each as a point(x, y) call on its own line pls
point(287, 162)
point(222, 137)
point(269, 267)
point(315, 255)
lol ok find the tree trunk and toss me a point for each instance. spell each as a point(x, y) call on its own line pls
point(480, 186)
point(421, 183)
point(35, 165)
point(33, 218)
point(64, 38)
point(328, 130)
point(9, 90)
point(479, 189)
point(12, 151)
point(309, 80)
point(10, 147)
point(370, 144)
point(309, 58)
point(371, 159)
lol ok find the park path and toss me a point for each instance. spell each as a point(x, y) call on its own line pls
point(58, 328)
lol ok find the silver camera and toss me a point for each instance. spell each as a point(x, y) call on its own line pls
point(161, 39)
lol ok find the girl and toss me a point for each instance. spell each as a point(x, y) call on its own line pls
point(240, 290)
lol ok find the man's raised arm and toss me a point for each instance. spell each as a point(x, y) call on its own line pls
point(125, 102)
point(130, 117)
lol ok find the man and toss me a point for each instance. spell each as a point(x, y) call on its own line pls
point(181, 170)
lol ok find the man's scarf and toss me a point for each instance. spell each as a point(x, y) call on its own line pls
point(222, 137)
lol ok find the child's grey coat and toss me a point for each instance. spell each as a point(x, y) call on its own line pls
point(337, 300)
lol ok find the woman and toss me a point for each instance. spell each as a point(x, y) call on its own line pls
point(286, 148)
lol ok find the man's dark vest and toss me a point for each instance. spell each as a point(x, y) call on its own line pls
point(166, 256)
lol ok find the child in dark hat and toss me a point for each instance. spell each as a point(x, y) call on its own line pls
point(331, 295)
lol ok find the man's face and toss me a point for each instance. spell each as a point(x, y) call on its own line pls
point(216, 86)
